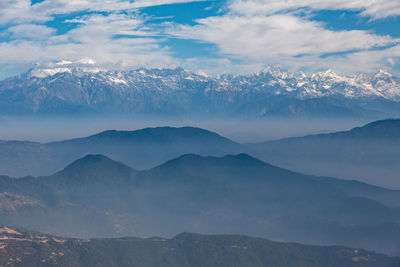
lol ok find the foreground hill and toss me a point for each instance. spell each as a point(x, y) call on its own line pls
point(370, 153)
point(22, 248)
point(98, 197)
point(141, 149)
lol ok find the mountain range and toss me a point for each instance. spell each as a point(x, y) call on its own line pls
point(25, 248)
point(235, 194)
point(369, 153)
point(67, 89)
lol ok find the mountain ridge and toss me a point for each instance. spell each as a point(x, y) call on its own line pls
point(176, 92)
point(369, 153)
point(376, 126)
point(373, 146)
point(141, 149)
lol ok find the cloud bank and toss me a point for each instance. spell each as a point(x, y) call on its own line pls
point(247, 35)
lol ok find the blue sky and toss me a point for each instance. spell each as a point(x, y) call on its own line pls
point(236, 36)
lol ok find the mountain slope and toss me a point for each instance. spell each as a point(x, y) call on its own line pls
point(97, 197)
point(370, 153)
point(22, 248)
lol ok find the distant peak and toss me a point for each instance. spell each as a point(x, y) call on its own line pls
point(390, 121)
point(276, 72)
point(174, 132)
point(195, 158)
point(97, 161)
point(63, 63)
point(388, 129)
point(244, 158)
point(86, 60)
point(383, 73)
point(90, 159)
point(82, 61)
point(95, 157)
point(202, 73)
point(94, 170)
point(328, 73)
point(65, 66)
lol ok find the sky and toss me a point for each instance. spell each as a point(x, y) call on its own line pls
point(225, 36)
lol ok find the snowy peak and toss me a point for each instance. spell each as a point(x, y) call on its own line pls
point(82, 85)
point(383, 74)
point(276, 72)
point(63, 63)
point(86, 61)
point(271, 81)
point(65, 66)
point(327, 75)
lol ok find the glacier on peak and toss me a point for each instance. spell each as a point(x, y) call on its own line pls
point(86, 61)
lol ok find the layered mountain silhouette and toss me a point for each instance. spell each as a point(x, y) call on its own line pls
point(235, 194)
point(370, 153)
point(23, 248)
point(140, 149)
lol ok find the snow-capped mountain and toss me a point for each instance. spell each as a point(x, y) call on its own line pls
point(81, 86)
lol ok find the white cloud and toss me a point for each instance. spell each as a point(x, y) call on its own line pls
point(391, 61)
point(358, 62)
point(256, 32)
point(30, 31)
point(147, 3)
point(266, 38)
point(214, 66)
point(123, 53)
point(269, 33)
point(68, 6)
point(373, 8)
point(93, 38)
point(21, 11)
